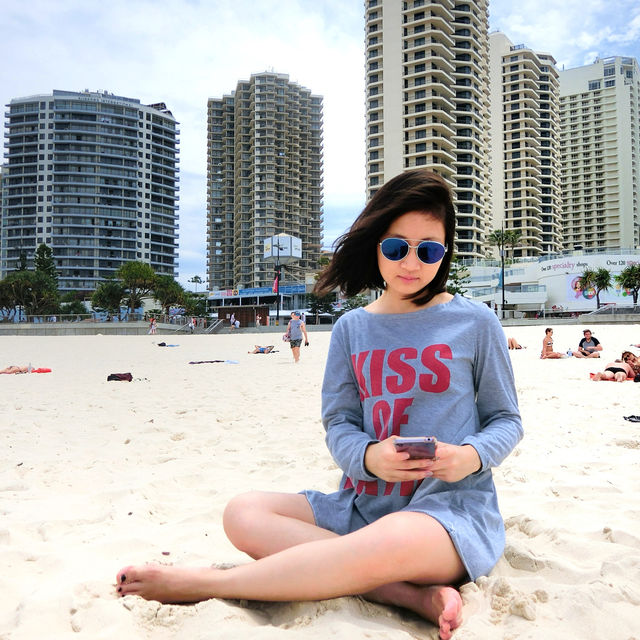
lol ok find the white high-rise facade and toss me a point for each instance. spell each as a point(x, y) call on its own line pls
point(600, 154)
point(95, 177)
point(525, 129)
point(264, 177)
point(427, 102)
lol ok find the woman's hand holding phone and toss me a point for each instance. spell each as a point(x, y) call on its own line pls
point(384, 461)
point(452, 462)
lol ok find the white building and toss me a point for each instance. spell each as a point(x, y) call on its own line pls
point(525, 131)
point(264, 177)
point(95, 177)
point(600, 144)
point(549, 283)
point(427, 101)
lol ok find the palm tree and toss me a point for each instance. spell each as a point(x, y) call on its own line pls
point(196, 280)
point(504, 237)
point(629, 278)
point(600, 280)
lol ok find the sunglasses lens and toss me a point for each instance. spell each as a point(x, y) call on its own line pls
point(394, 248)
point(430, 252)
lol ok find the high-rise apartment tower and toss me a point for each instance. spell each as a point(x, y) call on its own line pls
point(525, 130)
point(600, 154)
point(95, 177)
point(427, 102)
point(264, 177)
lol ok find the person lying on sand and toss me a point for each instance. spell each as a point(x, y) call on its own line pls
point(619, 370)
point(512, 343)
point(28, 369)
point(15, 369)
point(259, 349)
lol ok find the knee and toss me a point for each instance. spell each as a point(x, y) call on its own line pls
point(240, 517)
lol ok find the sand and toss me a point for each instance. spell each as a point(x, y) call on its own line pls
point(96, 475)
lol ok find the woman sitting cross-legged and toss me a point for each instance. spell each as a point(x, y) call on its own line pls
point(416, 361)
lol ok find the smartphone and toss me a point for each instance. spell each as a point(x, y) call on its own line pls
point(420, 448)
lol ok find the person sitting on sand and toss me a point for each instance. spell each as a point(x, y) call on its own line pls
point(399, 531)
point(512, 343)
point(619, 370)
point(588, 347)
point(547, 347)
point(259, 349)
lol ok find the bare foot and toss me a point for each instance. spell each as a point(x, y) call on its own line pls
point(443, 606)
point(439, 604)
point(597, 377)
point(167, 584)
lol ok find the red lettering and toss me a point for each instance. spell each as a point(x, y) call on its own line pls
point(358, 365)
point(407, 487)
point(370, 487)
point(400, 405)
point(407, 378)
point(381, 417)
point(439, 380)
point(375, 371)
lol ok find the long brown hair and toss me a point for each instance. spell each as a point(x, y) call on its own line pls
point(354, 266)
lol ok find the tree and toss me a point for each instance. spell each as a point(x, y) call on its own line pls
point(22, 265)
point(196, 280)
point(108, 296)
point(32, 291)
point(458, 275)
point(629, 278)
point(353, 303)
point(194, 304)
point(320, 304)
point(600, 280)
point(512, 238)
point(6, 299)
point(168, 292)
point(502, 238)
point(72, 302)
point(138, 279)
point(44, 263)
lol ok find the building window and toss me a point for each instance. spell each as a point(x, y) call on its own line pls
point(594, 84)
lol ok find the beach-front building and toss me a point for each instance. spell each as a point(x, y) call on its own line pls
point(264, 177)
point(600, 147)
point(95, 177)
point(427, 102)
point(525, 134)
point(550, 284)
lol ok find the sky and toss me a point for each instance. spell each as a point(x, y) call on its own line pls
point(183, 52)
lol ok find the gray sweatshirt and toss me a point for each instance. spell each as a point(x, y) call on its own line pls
point(443, 371)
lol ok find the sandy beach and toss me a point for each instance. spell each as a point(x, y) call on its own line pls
point(96, 475)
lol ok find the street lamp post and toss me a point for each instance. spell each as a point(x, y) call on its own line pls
point(502, 266)
point(278, 276)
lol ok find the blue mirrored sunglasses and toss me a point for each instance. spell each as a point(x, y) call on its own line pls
point(427, 251)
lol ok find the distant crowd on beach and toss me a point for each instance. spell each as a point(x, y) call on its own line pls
point(627, 367)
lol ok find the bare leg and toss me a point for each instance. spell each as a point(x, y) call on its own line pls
point(296, 353)
point(374, 561)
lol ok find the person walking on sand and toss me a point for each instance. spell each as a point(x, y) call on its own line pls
point(296, 329)
point(547, 347)
point(399, 531)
